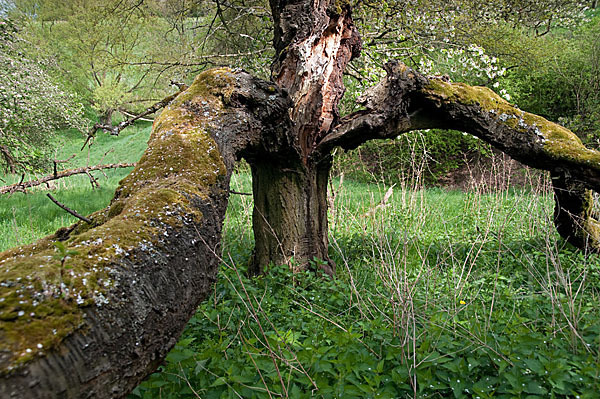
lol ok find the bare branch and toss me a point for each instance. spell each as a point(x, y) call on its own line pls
point(69, 210)
point(115, 130)
point(22, 186)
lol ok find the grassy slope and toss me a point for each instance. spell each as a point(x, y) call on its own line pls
point(440, 294)
point(26, 217)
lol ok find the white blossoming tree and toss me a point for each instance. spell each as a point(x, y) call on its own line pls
point(32, 106)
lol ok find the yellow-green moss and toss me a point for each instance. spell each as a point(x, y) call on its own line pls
point(557, 141)
point(218, 82)
point(468, 95)
point(182, 126)
point(37, 310)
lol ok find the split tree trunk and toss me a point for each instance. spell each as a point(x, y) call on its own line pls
point(151, 256)
point(314, 42)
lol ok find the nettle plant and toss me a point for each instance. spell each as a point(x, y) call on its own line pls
point(32, 105)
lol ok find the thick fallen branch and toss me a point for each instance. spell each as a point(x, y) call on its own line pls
point(95, 318)
point(407, 100)
point(22, 186)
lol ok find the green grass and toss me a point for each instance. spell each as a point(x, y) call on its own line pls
point(25, 217)
point(439, 294)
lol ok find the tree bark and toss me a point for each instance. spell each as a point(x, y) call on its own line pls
point(290, 216)
point(93, 323)
point(141, 267)
point(314, 42)
point(406, 100)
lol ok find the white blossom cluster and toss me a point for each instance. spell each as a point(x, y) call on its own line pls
point(436, 37)
point(32, 106)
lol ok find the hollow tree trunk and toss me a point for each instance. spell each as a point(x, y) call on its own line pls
point(574, 215)
point(290, 215)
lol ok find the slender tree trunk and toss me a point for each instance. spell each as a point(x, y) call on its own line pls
point(290, 215)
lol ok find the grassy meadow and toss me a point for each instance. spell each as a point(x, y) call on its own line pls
point(438, 294)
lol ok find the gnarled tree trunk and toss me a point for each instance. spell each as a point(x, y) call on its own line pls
point(290, 215)
point(314, 42)
point(95, 323)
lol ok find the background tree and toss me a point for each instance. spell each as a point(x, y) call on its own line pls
point(32, 105)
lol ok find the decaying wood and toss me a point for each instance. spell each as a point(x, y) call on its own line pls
point(138, 271)
point(134, 275)
point(314, 42)
point(407, 100)
point(24, 185)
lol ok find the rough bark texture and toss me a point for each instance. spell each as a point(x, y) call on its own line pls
point(290, 215)
point(574, 215)
point(314, 41)
point(99, 327)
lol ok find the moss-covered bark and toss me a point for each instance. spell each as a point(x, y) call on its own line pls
point(407, 100)
point(95, 322)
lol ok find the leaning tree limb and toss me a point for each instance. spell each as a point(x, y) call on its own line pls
point(407, 100)
point(22, 186)
point(133, 277)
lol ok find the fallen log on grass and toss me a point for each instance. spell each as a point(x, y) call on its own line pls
point(95, 314)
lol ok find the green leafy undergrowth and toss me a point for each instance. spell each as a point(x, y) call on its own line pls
point(303, 335)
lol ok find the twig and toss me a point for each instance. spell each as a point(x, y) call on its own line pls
point(238, 193)
point(115, 130)
point(71, 211)
point(21, 186)
point(129, 114)
point(57, 161)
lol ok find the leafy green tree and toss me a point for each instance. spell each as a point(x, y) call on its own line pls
point(32, 105)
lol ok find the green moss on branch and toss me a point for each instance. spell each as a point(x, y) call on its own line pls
point(43, 296)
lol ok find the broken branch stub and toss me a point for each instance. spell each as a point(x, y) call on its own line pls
point(95, 320)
